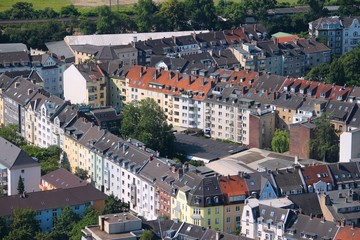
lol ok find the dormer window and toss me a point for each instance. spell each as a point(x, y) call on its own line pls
point(208, 200)
point(322, 94)
point(339, 98)
point(213, 43)
point(216, 199)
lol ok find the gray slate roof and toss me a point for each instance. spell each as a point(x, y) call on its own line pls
point(13, 157)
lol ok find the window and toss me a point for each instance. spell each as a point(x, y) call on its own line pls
point(237, 208)
point(228, 219)
point(209, 211)
point(209, 222)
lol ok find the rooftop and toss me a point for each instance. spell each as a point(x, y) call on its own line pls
point(61, 178)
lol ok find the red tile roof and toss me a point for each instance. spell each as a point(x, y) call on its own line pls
point(333, 92)
point(287, 38)
point(174, 83)
point(237, 35)
point(233, 186)
point(348, 233)
point(313, 174)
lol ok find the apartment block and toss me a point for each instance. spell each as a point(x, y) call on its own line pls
point(85, 84)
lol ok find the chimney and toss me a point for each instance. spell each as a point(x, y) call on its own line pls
point(173, 169)
point(254, 27)
point(134, 39)
point(228, 177)
point(189, 80)
point(17, 84)
point(255, 91)
point(141, 71)
point(102, 223)
point(311, 216)
point(186, 167)
point(180, 173)
point(276, 41)
point(296, 159)
point(352, 226)
point(203, 81)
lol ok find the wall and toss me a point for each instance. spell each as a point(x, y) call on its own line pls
point(31, 176)
point(349, 145)
point(74, 86)
point(300, 137)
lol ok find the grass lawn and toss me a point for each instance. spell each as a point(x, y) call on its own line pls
point(38, 4)
point(57, 4)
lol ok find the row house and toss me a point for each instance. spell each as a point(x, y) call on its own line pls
point(235, 192)
point(198, 199)
point(266, 222)
point(116, 85)
point(16, 97)
point(125, 55)
point(5, 82)
point(340, 34)
point(14, 61)
point(179, 95)
point(51, 68)
point(85, 84)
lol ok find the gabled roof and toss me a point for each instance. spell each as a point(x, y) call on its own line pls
point(12, 157)
point(348, 232)
point(61, 178)
point(288, 180)
point(233, 186)
point(269, 82)
point(311, 227)
point(340, 111)
point(53, 199)
point(253, 181)
point(21, 91)
point(345, 172)
point(168, 82)
point(316, 173)
point(307, 203)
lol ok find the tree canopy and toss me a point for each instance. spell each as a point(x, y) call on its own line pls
point(280, 141)
point(146, 122)
point(114, 205)
point(90, 218)
point(81, 173)
point(147, 235)
point(10, 133)
point(325, 143)
point(49, 158)
point(343, 70)
point(23, 225)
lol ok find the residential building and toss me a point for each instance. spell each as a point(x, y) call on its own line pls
point(51, 69)
point(250, 56)
point(120, 226)
point(14, 61)
point(85, 84)
point(5, 82)
point(349, 142)
point(198, 199)
point(289, 181)
point(264, 222)
point(328, 30)
point(106, 118)
point(15, 163)
point(16, 97)
point(117, 86)
point(235, 192)
point(341, 205)
point(261, 185)
point(347, 232)
point(286, 106)
point(346, 175)
point(317, 178)
point(48, 109)
point(60, 178)
point(66, 117)
point(48, 205)
point(351, 33)
point(125, 55)
point(340, 114)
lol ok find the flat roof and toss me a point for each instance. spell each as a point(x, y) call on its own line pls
point(95, 230)
point(205, 148)
point(120, 217)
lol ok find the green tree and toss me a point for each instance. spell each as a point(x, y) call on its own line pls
point(259, 8)
point(21, 10)
point(23, 225)
point(86, 25)
point(90, 218)
point(147, 235)
point(349, 7)
point(325, 143)
point(63, 225)
point(104, 24)
point(21, 186)
point(10, 133)
point(68, 11)
point(280, 141)
point(81, 173)
point(201, 13)
point(172, 12)
point(145, 10)
point(146, 122)
point(114, 205)
point(319, 73)
point(49, 158)
point(196, 163)
point(234, 12)
point(3, 227)
point(316, 6)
